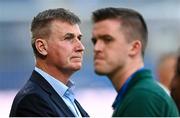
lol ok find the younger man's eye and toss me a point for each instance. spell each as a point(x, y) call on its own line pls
point(94, 40)
point(107, 39)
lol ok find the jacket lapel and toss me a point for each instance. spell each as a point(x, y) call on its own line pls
point(61, 104)
point(37, 78)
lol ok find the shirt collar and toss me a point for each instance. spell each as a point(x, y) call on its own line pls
point(59, 87)
point(123, 89)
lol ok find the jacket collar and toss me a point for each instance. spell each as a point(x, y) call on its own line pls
point(37, 78)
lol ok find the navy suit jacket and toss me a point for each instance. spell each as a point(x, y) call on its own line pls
point(38, 98)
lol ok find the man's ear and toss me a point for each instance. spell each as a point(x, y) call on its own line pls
point(135, 48)
point(41, 46)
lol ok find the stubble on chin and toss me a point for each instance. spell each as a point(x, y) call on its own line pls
point(99, 72)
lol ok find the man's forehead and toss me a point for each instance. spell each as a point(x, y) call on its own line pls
point(65, 27)
point(103, 28)
point(59, 23)
point(106, 24)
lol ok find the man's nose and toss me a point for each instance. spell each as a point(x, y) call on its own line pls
point(98, 46)
point(79, 46)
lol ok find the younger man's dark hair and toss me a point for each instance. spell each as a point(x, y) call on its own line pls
point(131, 21)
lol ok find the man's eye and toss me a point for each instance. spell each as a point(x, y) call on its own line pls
point(68, 38)
point(80, 38)
point(93, 40)
point(107, 39)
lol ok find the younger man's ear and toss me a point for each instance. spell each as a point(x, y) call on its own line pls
point(135, 48)
point(41, 46)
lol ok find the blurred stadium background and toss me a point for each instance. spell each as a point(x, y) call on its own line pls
point(95, 93)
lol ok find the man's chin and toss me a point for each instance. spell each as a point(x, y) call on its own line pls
point(77, 68)
point(100, 72)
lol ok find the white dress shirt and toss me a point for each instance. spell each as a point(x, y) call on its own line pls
point(65, 92)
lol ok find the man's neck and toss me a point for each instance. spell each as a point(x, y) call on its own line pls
point(119, 78)
point(59, 75)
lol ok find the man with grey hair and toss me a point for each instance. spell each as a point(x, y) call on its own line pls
point(56, 42)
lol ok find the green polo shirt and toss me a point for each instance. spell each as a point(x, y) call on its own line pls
point(144, 97)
